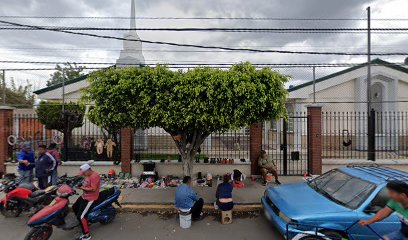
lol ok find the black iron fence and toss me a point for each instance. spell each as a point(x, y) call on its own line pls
point(87, 142)
point(90, 142)
point(346, 135)
point(156, 144)
point(285, 141)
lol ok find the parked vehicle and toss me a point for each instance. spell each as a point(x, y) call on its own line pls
point(57, 213)
point(317, 235)
point(19, 199)
point(333, 202)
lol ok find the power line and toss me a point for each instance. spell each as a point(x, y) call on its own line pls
point(198, 63)
point(211, 29)
point(204, 18)
point(215, 65)
point(205, 47)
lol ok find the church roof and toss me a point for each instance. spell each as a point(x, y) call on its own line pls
point(376, 61)
point(56, 86)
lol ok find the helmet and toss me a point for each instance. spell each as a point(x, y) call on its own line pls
point(111, 172)
point(65, 191)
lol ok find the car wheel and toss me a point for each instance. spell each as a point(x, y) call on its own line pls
point(311, 238)
point(307, 236)
point(334, 235)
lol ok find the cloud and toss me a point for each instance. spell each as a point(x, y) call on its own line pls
point(41, 46)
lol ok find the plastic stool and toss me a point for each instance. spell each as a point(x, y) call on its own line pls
point(226, 217)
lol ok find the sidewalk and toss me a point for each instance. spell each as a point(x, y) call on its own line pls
point(249, 195)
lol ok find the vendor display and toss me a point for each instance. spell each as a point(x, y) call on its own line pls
point(99, 144)
point(110, 144)
point(125, 181)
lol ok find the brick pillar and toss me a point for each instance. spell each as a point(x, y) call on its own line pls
point(314, 130)
point(126, 149)
point(255, 146)
point(6, 129)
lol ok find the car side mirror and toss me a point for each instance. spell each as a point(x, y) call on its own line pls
point(372, 209)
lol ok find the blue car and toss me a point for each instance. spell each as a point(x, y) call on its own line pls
point(333, 202)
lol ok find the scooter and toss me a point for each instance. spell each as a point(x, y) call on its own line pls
point(57, 213)
point(19, 199)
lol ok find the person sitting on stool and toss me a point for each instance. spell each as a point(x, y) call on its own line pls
point(187, 201)
point(266, 166)
point(224, 195)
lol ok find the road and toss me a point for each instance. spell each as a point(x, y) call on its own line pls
point(153, 227)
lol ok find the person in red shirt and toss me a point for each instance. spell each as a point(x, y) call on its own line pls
point(86, 202)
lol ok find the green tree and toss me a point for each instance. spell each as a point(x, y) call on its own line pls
point(55, 117)
point(66, 72)
point(17, 96)
point(188, 105)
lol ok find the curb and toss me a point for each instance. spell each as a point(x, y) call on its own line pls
point(169, 208)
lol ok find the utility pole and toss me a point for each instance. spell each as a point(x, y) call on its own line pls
point(314, 84)
point(368, 60)
point(4, 87)
point(65, 117)
point(370, 113)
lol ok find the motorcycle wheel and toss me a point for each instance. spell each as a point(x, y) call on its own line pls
point(109, 220)
point(39, 233)
point(12, 211)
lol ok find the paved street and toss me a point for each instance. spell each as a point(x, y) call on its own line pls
point(152, 227)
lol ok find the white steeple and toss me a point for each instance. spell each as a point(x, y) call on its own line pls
point(132, 50)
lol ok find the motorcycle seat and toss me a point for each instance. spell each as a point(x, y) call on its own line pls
point(37, 193)
point(103, 195)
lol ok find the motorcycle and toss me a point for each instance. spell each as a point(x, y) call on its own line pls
point(57, 213)
point(19, 199)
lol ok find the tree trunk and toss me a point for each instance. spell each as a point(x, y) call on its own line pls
point(188, 149)
point(187, 164)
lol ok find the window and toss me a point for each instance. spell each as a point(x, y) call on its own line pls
point(343, 189)
point(379, 202)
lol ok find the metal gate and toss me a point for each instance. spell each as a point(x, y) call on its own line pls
point(286, 141)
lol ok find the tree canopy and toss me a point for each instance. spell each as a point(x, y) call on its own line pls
point(188, 105)
point(66, 72)
point(55, 117)
point(17, 96)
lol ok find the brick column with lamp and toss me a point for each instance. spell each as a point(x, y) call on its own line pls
point(126, 149)
point(314, 130)
point(6, 129)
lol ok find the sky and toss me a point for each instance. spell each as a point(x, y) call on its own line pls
point(50, 46)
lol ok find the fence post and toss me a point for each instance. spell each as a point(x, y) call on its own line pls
point(126, 149)
point(371, 136)
point(314, 131)
point(255, 146)
point(6, 129)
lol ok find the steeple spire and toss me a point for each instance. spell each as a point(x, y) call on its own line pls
point(132, 54)
point(133, 15)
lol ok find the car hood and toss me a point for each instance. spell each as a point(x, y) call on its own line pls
point(301, 201)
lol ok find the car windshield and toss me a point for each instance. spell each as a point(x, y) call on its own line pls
point(342, 188)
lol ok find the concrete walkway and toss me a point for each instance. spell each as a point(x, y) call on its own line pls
point(251, 194)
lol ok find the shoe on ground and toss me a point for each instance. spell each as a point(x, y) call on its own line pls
point(216, 206)
point(277, 182)
point(85, 237)
point(201, 217)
